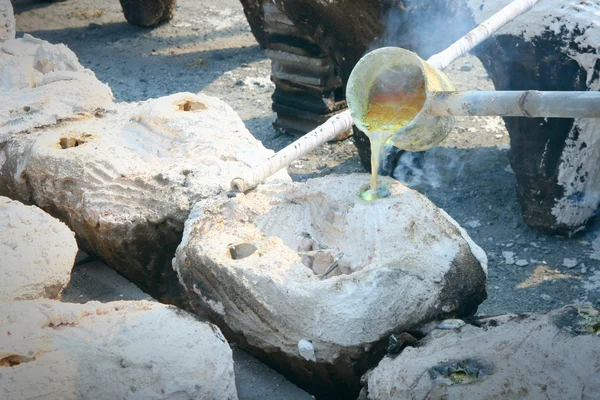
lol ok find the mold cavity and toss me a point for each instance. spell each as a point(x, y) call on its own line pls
point(368, 194)
point(13, 360)
point(241, 250)
point(398, 342)
point(459, 372)
point(321, 259)
point(322, 263)
point(189, 105)
point(67, 142)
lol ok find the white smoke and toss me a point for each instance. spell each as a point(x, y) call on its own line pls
point(428, 169)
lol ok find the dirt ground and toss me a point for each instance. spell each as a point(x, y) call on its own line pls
point(208, 47)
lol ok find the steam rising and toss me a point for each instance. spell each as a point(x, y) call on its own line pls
point(427, 169)
point(424, 27)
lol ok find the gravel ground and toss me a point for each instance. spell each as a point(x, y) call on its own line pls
point(208, 47)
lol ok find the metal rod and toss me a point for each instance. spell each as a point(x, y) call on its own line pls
point(333, 266)
point(528, 103)
point(327, 131)
point(483, 31)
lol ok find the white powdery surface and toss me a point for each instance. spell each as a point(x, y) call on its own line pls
point(517, 357)
point(36, 252)
point(578, 172)
point(401, 254)
point(42, 83)
point(120, 350)
point(172, 150)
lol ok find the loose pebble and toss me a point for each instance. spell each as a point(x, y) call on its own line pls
point(521, 263)
point(451, 324)
point(509, 257)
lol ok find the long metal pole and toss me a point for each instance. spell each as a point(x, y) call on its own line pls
point(527, 103)
point(323, 133)
point(483, 31)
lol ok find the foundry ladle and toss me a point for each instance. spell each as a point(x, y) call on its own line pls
point(437, 101)
point(392, 79)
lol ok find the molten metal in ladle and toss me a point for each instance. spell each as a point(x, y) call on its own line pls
point(397, 98)
point(387, 93)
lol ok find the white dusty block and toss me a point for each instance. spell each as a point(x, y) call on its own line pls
point(552, 356)
point(125, 182)
point(120, 350)
point(253, 264)
point(37, 253)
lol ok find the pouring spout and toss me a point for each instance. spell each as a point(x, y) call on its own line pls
point(528, 103)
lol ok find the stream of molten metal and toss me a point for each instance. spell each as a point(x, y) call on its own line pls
point(387, 113)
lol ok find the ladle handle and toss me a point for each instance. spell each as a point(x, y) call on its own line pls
point(527, 103)
point(327, 131)
point(483, 31)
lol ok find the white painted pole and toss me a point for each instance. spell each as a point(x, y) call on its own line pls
point(483, 31)
point(343, 121)
point(527, 103)
point(327, 131)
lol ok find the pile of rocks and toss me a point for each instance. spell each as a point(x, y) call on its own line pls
point(66, 147)
point(125, 177)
